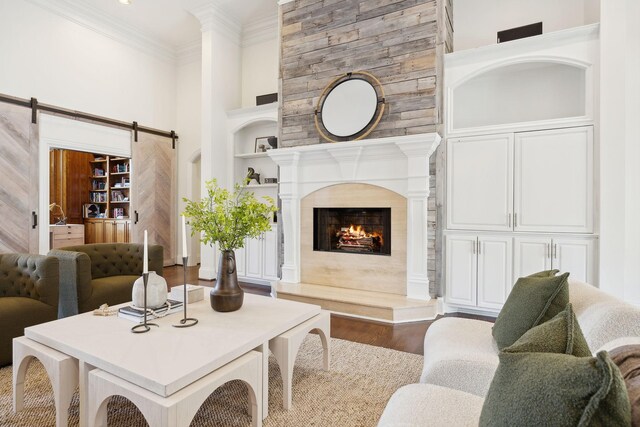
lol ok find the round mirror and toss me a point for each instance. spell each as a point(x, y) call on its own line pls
point(349, 107)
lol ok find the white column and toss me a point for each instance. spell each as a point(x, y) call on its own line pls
point(221, 90)
point(418, 153)
point(619, 149)
point(290, 198)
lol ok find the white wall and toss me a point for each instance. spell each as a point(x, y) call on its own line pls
point(259, 70)
point(188, 120)
point(620, 149)
point(476, 22)
point(59, 62)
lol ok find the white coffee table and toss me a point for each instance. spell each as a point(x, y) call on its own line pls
point(167, 359)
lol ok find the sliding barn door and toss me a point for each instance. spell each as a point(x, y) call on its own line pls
point(154, 188)
point(18, 181)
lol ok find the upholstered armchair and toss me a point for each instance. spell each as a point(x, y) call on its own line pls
point(99, 273)
point(28, 296)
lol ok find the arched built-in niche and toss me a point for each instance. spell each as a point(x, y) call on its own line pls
point(529, 90)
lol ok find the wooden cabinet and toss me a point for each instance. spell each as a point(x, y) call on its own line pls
point(66, 235)
point(478, 270)
point(258, 260)
point(568, 254)
point(99, 230)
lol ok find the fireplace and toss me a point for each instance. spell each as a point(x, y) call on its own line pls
point(352, 230)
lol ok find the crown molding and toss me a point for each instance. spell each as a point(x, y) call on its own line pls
point(213, 18)
point(84, 15)
point(260, 30)
point(189, 52)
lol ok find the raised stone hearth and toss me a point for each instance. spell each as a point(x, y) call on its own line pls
point(386, 173)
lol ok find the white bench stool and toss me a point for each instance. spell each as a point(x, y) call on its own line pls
point(61, 369)
point(285, 349)
point(179, 408)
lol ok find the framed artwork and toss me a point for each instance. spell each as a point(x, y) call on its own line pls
point(262, 144)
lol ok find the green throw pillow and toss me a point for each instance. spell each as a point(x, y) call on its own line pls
point(562, 334)
point(532, 301)
point(547, 389)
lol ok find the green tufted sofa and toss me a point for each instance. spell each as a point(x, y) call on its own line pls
point(94, 274)
point(28, 296)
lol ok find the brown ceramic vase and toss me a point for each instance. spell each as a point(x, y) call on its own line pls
point(227, 294)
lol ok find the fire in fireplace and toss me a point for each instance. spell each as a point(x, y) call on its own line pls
point(353, 230)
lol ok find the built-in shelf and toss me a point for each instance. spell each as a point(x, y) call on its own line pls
point(251, 155)
point(119, 173)
point(261, 186)
point(120, 188)
point(99, 176)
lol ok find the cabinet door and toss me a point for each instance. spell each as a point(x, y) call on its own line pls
point(554, 180)
point(270, 256)
point(121, 231)
point(575, 256)
point(109, 231)
point(495, 277)
point(531, 255)
point(461, 270)
point(254, 258)
point(90, 231)
point(480, 182)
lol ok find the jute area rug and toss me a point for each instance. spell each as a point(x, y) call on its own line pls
point(354, 392)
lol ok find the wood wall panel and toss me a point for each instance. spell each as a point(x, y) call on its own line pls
point(153, 183)
point(69, 182)
point(19, 180)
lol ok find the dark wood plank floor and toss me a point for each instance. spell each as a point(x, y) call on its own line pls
point(407, 337)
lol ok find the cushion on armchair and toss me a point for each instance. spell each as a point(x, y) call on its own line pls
point(532, 301)
point(562, 334)
point(530, 389)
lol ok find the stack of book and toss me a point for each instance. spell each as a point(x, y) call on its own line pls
point(136, 314)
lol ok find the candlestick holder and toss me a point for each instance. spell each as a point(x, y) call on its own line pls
point(144, 326)
point(185, 322)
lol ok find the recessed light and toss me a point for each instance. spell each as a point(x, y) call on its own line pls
point(126, 1)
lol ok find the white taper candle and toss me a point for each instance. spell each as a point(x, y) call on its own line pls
point(184, 238)
point(145, 256)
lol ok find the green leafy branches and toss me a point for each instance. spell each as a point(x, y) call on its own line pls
point(226, 219)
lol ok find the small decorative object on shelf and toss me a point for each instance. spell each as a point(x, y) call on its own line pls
point(252, 175)
point(273, 142)
point(226, 218)
point(62, 219)
point(262, 144)
point(185, 322)
point(271, 180)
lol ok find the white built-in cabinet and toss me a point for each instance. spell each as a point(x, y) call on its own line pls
point(538, 253)
point(478, 269)
point(517, 203)
point(258, 260)
point(249, 128)
point(527, 181)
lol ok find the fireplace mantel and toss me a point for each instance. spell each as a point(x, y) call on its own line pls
point(399, 164)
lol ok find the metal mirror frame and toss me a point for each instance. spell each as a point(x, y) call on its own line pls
point(377, 116)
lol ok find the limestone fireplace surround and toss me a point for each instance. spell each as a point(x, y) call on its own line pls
point(395, 166)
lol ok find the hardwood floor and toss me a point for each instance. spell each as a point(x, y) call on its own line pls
point(407, 337)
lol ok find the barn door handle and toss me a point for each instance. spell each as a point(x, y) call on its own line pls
point(34, 219)
point(136, 220)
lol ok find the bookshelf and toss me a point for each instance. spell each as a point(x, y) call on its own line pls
point(111, 186)
point(111, 193)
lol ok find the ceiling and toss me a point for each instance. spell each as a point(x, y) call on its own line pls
point(168, 21)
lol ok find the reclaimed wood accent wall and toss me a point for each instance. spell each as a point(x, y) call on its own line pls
point(401, 42)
